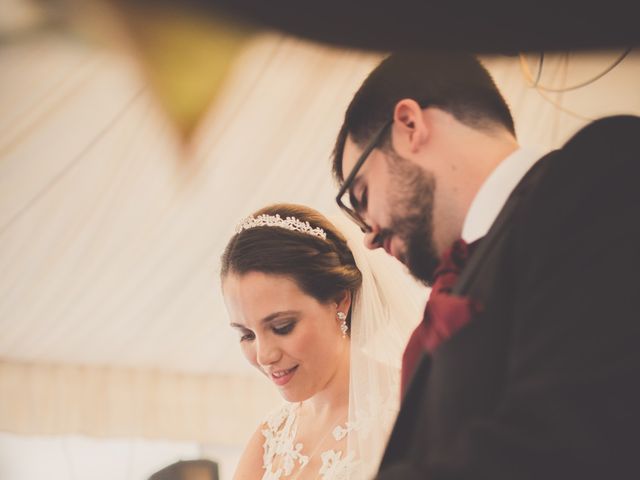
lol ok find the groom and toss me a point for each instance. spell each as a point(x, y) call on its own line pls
point(527, 364)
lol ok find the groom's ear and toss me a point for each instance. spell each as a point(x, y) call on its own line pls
point(409, 129)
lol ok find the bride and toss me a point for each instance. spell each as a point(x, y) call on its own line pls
point(326, 321)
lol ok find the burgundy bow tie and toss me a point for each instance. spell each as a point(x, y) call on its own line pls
point(444, 314)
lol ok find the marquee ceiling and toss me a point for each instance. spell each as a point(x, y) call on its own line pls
point(110, 233)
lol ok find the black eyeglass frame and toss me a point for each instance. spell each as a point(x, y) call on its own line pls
point(346, 185)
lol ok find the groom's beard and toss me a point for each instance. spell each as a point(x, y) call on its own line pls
point(413, 197)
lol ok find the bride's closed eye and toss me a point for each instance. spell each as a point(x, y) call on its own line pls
point(246, 335)
point(284, 329)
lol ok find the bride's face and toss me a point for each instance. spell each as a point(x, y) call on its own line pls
point(288, 335)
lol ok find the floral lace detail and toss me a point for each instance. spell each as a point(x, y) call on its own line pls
point(335, 467)
point(279, 434)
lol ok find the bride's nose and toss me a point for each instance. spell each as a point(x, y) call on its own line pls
point(267, 352)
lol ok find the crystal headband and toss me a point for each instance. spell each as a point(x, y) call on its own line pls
point(289, 223)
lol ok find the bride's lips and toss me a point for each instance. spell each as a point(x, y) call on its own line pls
point(282, 377)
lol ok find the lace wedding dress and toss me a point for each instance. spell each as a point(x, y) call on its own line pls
point(384, 313)
point(285, 458)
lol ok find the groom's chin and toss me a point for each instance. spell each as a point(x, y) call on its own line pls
point(422, 267)
point(421, 257)
point(425, 278)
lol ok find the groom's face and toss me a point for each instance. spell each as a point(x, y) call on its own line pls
point(396, 198)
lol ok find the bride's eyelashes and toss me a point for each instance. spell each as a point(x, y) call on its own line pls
point(246, 335)
point(280, 329)
point(284, 329)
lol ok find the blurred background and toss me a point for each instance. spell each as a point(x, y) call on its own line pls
point(115, 355)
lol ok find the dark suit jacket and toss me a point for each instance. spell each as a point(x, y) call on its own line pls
point(545, 383)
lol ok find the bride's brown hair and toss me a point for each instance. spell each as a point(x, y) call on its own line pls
point(322, 268)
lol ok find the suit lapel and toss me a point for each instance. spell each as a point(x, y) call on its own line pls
point(487, 245)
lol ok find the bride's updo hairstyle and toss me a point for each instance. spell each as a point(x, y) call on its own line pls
point(322, 268)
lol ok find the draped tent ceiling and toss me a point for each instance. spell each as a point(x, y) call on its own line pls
point(110, 232)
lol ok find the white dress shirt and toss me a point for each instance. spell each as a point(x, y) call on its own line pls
point(495, 191)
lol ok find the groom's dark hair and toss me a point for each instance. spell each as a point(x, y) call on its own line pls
point(454, 82)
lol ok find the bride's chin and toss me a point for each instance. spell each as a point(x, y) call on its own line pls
point(293, 396)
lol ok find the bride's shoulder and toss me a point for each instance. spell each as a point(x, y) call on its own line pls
point(279, 417)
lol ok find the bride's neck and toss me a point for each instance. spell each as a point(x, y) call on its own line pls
point(334, 397)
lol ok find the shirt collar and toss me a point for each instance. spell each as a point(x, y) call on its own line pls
point(495, 191)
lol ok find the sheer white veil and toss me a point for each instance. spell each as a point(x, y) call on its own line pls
point(383, 314)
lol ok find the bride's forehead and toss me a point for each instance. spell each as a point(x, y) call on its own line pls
point(258, 293)
point(257, 282)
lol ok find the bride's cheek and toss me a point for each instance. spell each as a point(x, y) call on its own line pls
point(250, 354)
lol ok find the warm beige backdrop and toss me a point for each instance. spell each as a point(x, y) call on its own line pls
point(111, 320)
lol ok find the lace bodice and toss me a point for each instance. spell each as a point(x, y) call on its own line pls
point(284, 457)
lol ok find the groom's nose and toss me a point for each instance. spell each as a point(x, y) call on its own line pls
point(373, 238)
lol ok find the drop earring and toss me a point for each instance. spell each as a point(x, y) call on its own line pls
point(343, 323)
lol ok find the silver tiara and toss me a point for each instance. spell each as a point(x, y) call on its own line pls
point(289, 223)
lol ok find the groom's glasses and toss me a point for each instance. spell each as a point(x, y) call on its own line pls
point(345, 198)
